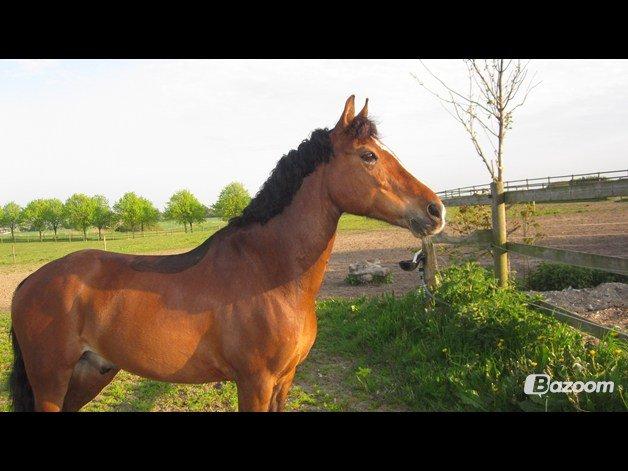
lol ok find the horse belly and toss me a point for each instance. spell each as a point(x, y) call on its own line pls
point(158, 343)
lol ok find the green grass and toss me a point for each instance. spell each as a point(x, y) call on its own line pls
point(554, 277)
point(36, 253)
point(349, 222)
point(473, 356)
point(355, 280)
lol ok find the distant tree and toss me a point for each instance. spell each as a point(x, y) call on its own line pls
point(232, 200)
point(54, 214)
point(185, 208)
point(149, 213)
point(104, 217)
point(35, 216)
point(129, 211)
point(11, 216)
point(79, 212)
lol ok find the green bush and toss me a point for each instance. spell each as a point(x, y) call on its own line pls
point(554, 277)
point(472, 353)
point(355, 280)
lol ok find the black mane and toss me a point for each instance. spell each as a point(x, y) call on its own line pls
point(286, 178)
point(276, 193)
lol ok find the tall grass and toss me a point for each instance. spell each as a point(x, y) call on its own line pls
point(474, 354)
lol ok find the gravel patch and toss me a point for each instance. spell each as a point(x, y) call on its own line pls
point(606, 304)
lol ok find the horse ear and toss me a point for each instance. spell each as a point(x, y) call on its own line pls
point(365, 111)
point(348, 113)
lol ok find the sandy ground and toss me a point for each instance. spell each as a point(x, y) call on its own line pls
point(603, 230)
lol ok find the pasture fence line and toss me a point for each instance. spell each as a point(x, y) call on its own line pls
point(576, 187)
point(93, 237)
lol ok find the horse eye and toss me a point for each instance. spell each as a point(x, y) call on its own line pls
point(369, 157)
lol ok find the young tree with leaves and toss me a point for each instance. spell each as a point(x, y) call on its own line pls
point(34, 215)
point(104, 217)
point(232, 200)
point(129, 211)
point(79, 212)
point(11, 217)
point(54, 214)
point(185, 208)
point(149, 214)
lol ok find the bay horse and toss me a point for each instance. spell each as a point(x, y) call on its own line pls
point(239, 307)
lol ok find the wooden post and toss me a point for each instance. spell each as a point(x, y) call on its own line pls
point(430, 267)
point(500, 256)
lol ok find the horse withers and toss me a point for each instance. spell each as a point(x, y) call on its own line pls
point(240, 307)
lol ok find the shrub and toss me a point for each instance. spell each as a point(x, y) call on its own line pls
point(473, 351)
point(555, 277)
point(355, 280)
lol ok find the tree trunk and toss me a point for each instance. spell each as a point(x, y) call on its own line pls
point(500, 256)
point(54, 228)
point(191, 230)
point(12, 234)
point(84, 233)
point(185, 226)
point(100, 233)
point(41, 238)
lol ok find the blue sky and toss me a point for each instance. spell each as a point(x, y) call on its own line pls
point(154, 127)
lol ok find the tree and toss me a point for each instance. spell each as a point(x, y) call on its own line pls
point(54, 214)
point(232, 200)
point(35, 216)
point(104, 217)
point(129, 211)
point(11, 216)
point(79, 212)
point(496, 88)
point(185, 208)
point(149, 215)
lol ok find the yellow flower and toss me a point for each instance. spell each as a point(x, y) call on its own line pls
point(592, 353)
point(354, 308)
point(617, 351)
point(445, 350)
point(533, 363)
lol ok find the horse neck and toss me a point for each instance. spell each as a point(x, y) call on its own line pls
point(302, 235)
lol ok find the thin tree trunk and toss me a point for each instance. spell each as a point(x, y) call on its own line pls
point(84, 234)
point(54, 228)
point(41, 239)
point(191, 230)
point(100, 233)
point(12, 235)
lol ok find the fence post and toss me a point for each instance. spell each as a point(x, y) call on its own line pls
point(430, 267)
point(500, 256)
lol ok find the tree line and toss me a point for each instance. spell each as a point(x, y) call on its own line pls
point(130, 213)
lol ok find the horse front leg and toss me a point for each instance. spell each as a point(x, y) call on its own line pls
point(255, 393)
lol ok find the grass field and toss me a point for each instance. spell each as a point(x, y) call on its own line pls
point(35, 253)
point(405, 354)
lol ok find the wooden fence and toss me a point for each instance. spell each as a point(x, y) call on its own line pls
point(581, 187)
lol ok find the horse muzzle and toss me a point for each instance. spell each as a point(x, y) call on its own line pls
point(422, 227)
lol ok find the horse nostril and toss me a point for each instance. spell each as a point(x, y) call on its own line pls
point(433, 210)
